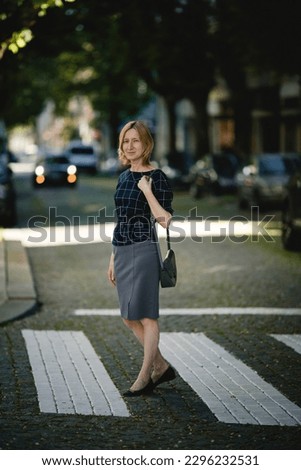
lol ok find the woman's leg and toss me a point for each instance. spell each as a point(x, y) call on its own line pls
point(137, 329)
point(147, 333)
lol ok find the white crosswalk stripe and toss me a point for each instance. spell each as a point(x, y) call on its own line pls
point(293, 341)
point(233, 391)
point(197, 311)
point(69, 376)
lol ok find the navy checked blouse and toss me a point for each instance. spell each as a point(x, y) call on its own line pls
point(132, 209)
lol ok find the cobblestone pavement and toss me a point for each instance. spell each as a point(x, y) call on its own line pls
point(174, 417)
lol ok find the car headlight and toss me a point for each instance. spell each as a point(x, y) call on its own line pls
point(71, 170)
point(39, 170)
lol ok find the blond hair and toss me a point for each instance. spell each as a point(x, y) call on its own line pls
point(145, 137)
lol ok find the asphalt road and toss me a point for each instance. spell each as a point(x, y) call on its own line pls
point(214, 273)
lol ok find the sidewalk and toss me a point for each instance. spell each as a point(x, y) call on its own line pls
point(17, 292)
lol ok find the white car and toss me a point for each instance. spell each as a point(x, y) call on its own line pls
point(83, 157)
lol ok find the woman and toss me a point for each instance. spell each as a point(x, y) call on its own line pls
point(142, 192)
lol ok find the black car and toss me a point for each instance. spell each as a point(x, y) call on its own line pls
point(291, 213)
point(214, 173)
point(54, 170)
point(263, 182)
point(8, 213)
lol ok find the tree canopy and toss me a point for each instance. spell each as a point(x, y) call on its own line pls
point(17, 19)
point(106, 49)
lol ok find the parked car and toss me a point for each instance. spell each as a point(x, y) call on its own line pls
point(8, 212)
point(176, 165)
point(291, 213)
point(214, 173)
point(263, 182)
point(54, 170)
point(176, 178)
point(110, 165)
point(83, 157)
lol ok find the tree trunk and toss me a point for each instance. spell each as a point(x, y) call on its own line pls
point(114, 132)
point(243, 121)
point(172, 120)
point(201, 128)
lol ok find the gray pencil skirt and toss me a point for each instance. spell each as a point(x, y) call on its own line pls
point(137, 280)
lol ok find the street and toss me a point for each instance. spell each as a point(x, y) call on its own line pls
point(231, 328)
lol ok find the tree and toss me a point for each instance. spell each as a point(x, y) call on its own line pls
point(261, 37)
point(120, 42)
point(113, 86)
point(169, 47)
point(104, 49)
point(74, 51)
point(17, 18)
point(231, 54)
point(31, 76)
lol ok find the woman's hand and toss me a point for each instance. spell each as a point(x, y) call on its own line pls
point(111, 271)
point(160, 214)
point(145, 184)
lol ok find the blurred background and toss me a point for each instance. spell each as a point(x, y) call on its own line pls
point(218, 83)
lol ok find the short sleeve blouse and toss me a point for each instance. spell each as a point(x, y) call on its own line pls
point(132, 209)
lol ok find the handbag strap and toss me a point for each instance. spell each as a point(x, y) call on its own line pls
point(168, 238)
point(157, 241)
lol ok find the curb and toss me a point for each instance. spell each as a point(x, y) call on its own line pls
point(17, 292)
